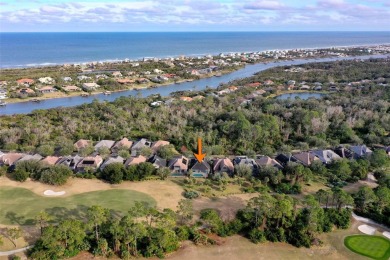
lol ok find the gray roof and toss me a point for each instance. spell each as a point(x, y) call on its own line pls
point(104, 143)
point(360, 150)
point(111, 160)
point(326, 156)
point(36, 157)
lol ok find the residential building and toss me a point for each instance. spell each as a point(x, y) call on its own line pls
point(104, 143)
point(124, 143)
point(266, 161)
point(90, 86)
point(46, 89)
point(326, 156)
point(360, 151)
point(71, 88)
point(200, 169)
point(158, 144)
point(89, 162)
point(178, 166)
point(157, 161)
point(305, 158)
point(110, 160)
point(70, 161)
point(51, 160)
point(82, 143)
point(138, 145)
point(223, 165)
point(135, 160)
point(244, 160)
point(29, 157)
point(9, 159)
point(25, 82)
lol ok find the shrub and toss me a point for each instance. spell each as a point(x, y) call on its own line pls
point(257, 236)
point(191, 194)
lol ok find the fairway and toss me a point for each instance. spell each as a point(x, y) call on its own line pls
point(19, 206)
point(375, 247)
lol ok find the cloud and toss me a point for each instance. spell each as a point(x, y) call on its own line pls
point(193, 13)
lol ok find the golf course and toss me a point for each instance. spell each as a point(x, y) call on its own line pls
point(19, 206)
point(375, 247)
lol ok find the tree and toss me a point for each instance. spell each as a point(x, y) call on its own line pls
point(163, 172)
point(96, 216)
point(243, 170)
point(341, 169)
point(379, 158)
point(383, 195)
point(167, 151)
point(20, 175)
point(364, 197)
point(185, 211)
point(42, 219)
point(113, 173)
point(56, 175)
point(13, 234)
point(263, 207)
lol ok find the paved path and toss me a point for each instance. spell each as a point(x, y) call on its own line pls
point(6, 253)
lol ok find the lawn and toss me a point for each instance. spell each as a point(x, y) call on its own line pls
point(19, 206)
point(375, 247)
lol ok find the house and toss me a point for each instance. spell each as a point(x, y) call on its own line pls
point(158, 144)
point(266, 161)
point(187, 99)
point(67, 79)
point(178, 166)
point(83, 77)
point(305, 87)
point(284, 159)
point(90, 86)
point(124, 143)
point(25, 82)
point(244, 160)
point(223, 165)
point(360, 151)
point(110, 160)
point(46, 89)
point(200, 169)
point(9, 159)
point(29, 157)
point(343, 152)
point(3, 94)
point(254, 84)
point(26, 91)
point(46, 80)
point(82, 143)
point(198, 97)
point(71, 88)
point(70, 161)
point(326, 156)
point(51, 160)
point(305, 158)
point(157, 161)
point(142, 80)
point(137, 146)
point(104, 143)
point(268, 82)
point(117, 74)
point(125, 81)
point(89, 162)
point(135, 160)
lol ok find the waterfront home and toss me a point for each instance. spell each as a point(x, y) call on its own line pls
point(135, 160)
point(157, 161)
point(83, 77)
point(223, 165)
point(142, 80)
point(51, 160)
point(25, 82)
point(125, 81)
point(31, 157)
point(9, 159)
point(101, 76)
point(268, 82)
point(156, 103)
point(253, 85)
point(200, 169)
point(82, 143)
point(70, 161)
point(26, 91)
point(89, 163)
point(46, 89)
point(46, 80)
point(110, 160)
point(305, 158)
point(104, 143)
point(326, 156)
point(138, 145)
point(158, 144)
point(305, 87)
point(266, 161)
point(71, 88)
point(178, 166)
point(90, 86)
point(124, 143)
point(360, 151)
point(3, 94)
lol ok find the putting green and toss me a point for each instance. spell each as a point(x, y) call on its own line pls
point(375, 247)
point(20, 206)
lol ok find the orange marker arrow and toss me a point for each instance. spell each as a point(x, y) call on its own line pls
point(199, 156)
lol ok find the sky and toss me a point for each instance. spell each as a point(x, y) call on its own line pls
point(193, 15)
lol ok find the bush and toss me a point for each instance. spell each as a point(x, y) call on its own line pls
point(20, 175)
point(191, 194)
point(257, 236)
point(56, 175)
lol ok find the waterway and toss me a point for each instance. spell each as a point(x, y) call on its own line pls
point(213, 82)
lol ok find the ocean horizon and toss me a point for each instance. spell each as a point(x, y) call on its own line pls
point(29, 49)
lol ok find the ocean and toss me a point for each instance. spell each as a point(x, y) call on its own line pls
point(35, 49)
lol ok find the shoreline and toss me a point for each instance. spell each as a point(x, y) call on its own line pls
point(113, 61)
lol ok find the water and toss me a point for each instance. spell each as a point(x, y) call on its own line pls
point(249, 70)
point(302, 95)
point(32, 49)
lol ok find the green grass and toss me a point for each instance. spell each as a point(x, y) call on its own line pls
point(20, 206)
point(375, 247)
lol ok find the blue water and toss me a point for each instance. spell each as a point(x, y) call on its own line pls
point(302, 95)
point(249, 70)
point(31, 49)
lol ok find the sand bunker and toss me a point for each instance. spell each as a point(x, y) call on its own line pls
point(386, 234)
point(366, 229)
point(53, 193)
